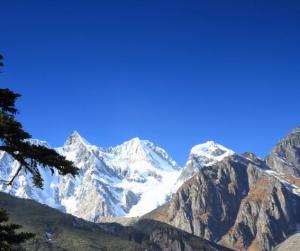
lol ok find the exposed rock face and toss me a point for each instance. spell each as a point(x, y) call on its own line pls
point(267, 215)
point(208, 203)
point(285, 156)
point(237, 202)
point(290, 244)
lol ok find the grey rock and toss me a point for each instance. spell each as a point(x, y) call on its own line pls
point(236, 203)
point(207, 204)
point(267, 215)
point(285, 156)
point(130, 199)
point(290, 244)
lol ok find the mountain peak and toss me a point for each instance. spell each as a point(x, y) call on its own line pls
point(211, 149)
point(284, 157)
point(201, 155)
point(135, 140)
point(133, 143)
point(132, 148)
point(75, 133)
point(75, 137)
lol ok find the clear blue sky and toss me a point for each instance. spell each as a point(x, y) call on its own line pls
point(175, 72)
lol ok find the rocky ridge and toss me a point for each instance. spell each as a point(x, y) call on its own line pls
point(241, 202)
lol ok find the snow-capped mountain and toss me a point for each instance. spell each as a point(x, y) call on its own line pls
point(209, 153)
point(201, 155)
point(228, 197)
point(126, 180)
point(130, 179)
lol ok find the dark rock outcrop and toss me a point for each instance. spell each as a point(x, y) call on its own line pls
point(58, 231)
point(167, 238)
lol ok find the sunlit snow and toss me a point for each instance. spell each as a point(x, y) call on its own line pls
point(130, 179)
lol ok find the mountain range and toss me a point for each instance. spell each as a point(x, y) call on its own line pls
point(130, 179)
point(239, 201)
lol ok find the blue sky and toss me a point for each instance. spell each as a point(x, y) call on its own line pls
point(175, 72)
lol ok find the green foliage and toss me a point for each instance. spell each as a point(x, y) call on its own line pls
point(68, 233)
point(7, 101)
point(14, 140)
point(8, 235)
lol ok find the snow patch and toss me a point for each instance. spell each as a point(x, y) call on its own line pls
point(281, 177)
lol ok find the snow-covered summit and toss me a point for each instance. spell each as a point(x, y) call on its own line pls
point(127, 180)
point(201, 155)
point(132, 149)
point(135, 150)
point(210, 152)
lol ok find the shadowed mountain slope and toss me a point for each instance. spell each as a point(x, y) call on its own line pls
point(58, 231)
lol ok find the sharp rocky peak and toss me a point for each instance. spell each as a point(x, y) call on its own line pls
point(285, 156)
point(76, 138)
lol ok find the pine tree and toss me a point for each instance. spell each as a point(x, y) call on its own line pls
point(9, 238)
point(15, 141)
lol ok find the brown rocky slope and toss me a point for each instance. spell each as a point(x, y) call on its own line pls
point(241, 202)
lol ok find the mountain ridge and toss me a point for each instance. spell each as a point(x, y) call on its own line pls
point(242, 202)
point(129, 179)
